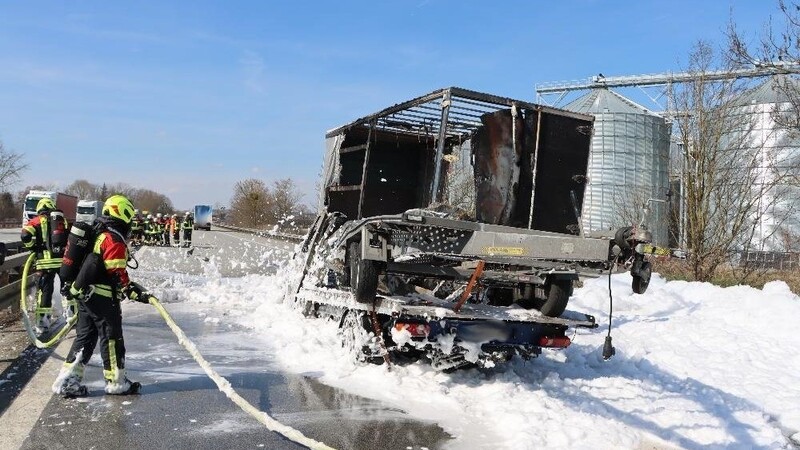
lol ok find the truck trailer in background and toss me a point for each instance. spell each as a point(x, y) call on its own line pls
point(202, 217)
point(68, 204)
point(88, 210)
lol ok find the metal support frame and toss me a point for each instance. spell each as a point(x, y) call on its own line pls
point(663, 81)
point(534, 162)
point(364, 170)
point(446, 102)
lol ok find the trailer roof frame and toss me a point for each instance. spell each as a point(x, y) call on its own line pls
point(422, 115)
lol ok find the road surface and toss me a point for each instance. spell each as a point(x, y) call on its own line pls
point(179, 406)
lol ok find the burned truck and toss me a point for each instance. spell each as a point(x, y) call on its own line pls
point(454, 215)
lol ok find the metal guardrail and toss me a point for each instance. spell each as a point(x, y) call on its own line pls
point(10, 223)
point(10, 267)
point(265, 233)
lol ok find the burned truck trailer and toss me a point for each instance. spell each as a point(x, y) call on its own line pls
point(468, 204)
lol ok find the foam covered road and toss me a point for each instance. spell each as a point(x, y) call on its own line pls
point(179, 406)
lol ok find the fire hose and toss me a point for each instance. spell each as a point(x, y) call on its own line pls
point(225, 386)
point(222, 383)
point(26, 320)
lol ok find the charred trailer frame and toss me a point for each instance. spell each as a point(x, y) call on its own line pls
point(423, 190)
point(530, 160)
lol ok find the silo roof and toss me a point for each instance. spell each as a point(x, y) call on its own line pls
point(604, 100)
point(769, 91)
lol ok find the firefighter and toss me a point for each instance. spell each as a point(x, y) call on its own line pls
point(137, 228)
point(101, 283)
point(158, 229)
point(166, 231)
point(175, 228)
point(187, 226)
point(46, 235)
point(149, 230)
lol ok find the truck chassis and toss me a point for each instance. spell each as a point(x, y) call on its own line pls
point(406, 273)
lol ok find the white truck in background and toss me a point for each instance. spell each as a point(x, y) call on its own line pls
point(88, 210)
point(68, 204)
point(202, 217)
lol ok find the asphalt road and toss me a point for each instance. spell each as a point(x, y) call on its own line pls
point(179, 406)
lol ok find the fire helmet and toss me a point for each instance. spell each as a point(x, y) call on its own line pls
point(119, 207)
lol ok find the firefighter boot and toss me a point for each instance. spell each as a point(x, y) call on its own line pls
point(68, 382)
point(122, 385)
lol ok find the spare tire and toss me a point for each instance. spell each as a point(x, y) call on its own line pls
point(557, 297)
point(642, 279)
point(363, 275)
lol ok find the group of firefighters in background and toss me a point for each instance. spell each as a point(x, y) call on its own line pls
point(149, 230)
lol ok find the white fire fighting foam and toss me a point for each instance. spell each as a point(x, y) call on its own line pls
point(696, 366)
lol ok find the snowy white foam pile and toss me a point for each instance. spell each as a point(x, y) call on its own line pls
point(697, 366)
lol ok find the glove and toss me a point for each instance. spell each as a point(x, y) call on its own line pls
point(65, 291)
point(135, 293)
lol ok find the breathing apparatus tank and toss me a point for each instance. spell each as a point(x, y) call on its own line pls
point(79, 244)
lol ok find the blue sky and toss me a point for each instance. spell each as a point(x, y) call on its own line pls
point(187, 98)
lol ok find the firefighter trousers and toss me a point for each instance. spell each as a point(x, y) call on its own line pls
point(44, 296)
point(100, 318)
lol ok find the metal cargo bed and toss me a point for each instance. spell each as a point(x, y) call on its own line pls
point(432, 308)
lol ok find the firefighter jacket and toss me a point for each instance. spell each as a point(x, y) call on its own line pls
point(105, 270)
point(136, 224)
point(46, 236)
point(150, 227)
point(187, 224)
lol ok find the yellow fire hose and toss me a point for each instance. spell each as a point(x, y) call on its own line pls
point(24, 309)
point(225, 386)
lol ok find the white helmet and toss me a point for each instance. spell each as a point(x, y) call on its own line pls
point(158, 216)
point(150, 216)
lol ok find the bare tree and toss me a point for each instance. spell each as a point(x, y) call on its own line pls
point(285, 201)
point(147, 200)
point(729, 185)
point(8, 208)
point(84, 190)
point(250, 205)
point(11, 167)
point(777, 47)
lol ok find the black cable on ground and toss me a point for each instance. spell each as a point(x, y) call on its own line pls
point(608, 348)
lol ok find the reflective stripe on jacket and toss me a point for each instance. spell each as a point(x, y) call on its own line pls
point(114, 253)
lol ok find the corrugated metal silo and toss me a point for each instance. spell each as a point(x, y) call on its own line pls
point(778, 153)
point(628, 164)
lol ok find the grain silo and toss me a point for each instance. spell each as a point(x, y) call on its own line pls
point(628, 163)
point(777, 151)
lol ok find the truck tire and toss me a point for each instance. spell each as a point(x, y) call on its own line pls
point(642, 279)
point(557, 298)
point(354, 334)
point(363, 275)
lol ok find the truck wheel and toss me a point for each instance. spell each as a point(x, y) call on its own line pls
point(642, 279)
point(557, 298)
point(355, 337)
point(363, 275)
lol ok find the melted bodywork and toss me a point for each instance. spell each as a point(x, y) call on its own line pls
point(497, 152)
